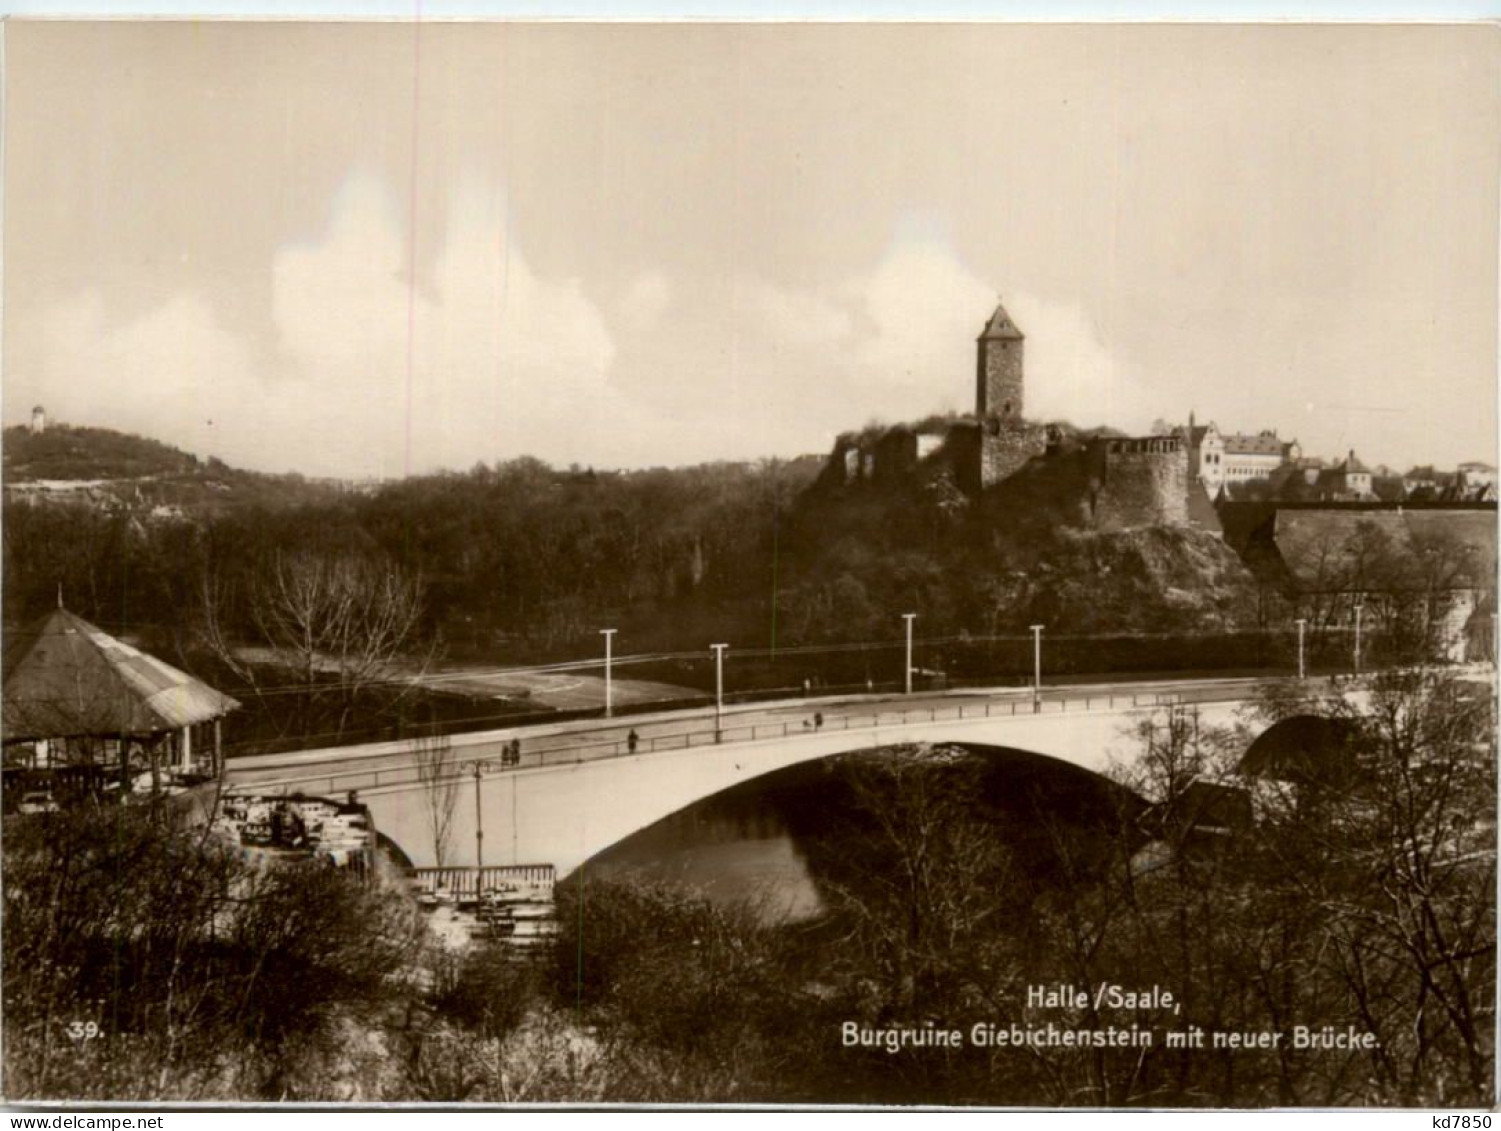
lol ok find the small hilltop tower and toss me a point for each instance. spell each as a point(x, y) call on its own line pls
point(1007, 441)
point(1001, 383)
point(38, 420)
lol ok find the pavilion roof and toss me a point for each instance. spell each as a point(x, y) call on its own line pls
point(64, 677)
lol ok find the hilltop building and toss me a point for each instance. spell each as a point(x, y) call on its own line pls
point(1007, 441)
point(1206, 454)
point(1475, 476)
point(1349, 480)
point(1257, 457)
point(1218, 458)
point(1119, 481)
point(38, 420)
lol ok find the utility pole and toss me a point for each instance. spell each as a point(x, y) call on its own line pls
point(608, 634)
point(718, 687)
point(1302, 624)
point(1036, 667)
point(907, 671)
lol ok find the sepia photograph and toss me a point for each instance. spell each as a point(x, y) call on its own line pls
point(737, 563)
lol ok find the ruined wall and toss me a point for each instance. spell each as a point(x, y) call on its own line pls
point(962, 451)
point(1142, 482)
point(1005, 448)
point(895, 455)
point(928, 443)
point(887, 458)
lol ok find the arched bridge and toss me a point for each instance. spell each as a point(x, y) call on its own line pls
point(579, 788)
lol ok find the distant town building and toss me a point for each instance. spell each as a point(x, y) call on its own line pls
point(1476, 475)
point(38, 420)
point(1206, 455)
point(1257, 457)
point(1349, 480)
point(1218, 459)
point(1473, 482)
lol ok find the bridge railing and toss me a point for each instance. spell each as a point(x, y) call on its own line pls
point(466, 884)
point(558, 750)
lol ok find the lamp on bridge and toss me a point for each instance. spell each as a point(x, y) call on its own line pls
point(479, 823)
point(1037, 667)
point(1302, 624)
point(907, 671)
point(718, 688)
point(608, 634)
point(1359, 608)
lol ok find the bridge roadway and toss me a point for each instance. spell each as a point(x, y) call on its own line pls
point(335, 770)
point(579, 789)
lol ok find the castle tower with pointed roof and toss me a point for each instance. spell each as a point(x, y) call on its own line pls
point(1006, 440)
point(1000, 383)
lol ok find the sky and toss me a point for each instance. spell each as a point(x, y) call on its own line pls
point(378, 248)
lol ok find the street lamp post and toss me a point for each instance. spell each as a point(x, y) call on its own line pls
point(479, 825)
point(907, 671)
point(1302, 624)
point(608, 634)
point(1359, 608)
point(718, 687)
point(1037, 667)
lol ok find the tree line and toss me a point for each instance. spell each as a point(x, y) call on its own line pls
point(521, 563)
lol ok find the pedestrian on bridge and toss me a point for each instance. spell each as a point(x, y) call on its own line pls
point(631, 740)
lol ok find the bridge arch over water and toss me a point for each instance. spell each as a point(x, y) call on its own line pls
point(564, 814)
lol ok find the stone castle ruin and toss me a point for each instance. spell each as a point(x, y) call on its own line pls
point(1120, 482)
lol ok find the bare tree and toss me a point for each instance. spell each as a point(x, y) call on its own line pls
point(328, 627)
point(437, 771)
point(1398, 856)
point(924, 906)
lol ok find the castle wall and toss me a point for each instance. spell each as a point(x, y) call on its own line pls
point(1005, 448)
point(895, 455)
point(1142, 482)
point(962, 451)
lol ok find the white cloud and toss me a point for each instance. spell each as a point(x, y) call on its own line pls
point(924, 309)
point(1072, 375)
point(646, 301)
point(904, 336)
point(481, 360)
point(793, 318)
point(175, 373)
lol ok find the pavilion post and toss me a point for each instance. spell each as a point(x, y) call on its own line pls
point(218, 750)
point(186, 765)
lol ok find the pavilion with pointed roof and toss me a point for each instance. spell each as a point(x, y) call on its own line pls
point(68, 682)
